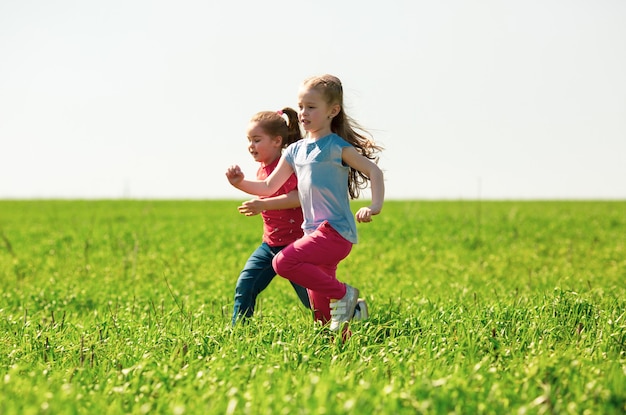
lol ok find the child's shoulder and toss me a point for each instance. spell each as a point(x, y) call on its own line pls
point(338, 140)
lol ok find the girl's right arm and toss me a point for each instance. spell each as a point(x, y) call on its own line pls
point(265, 187)
point(255, 206)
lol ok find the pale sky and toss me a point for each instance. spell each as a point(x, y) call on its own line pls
point(471, 99)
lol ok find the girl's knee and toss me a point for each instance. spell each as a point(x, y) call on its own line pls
point(282, 264)
point(277, 263)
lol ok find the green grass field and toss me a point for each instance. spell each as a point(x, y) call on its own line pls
point(476, 307)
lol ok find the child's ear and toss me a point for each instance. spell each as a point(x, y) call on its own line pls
point(278, 140)
point(336, 109)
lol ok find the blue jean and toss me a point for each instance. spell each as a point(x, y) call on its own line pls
point(255, 277)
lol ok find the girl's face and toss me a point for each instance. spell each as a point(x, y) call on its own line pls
point(263, 147)
point(315, 114)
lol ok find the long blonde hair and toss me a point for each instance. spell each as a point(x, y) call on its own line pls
point(344, 126)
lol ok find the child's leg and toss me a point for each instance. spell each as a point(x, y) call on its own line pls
point(254, 278)
point(319, 302)
point(321, 306)
point(311, 261)
point(302, 293)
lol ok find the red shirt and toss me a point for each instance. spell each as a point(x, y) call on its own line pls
point(281, 227)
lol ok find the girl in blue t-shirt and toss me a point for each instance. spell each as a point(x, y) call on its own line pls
point(332, 163)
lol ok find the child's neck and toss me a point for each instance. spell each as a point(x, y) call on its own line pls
point(321, 133)
point(270, 161)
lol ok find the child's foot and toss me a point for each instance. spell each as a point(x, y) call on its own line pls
point(361, 312)
point(341, 311)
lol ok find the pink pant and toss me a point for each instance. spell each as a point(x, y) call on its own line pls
point(311, 262)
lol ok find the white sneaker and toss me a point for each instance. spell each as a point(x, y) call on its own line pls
point(341, 311)
point(361, 312)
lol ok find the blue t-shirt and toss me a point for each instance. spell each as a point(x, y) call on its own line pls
point(323, 184)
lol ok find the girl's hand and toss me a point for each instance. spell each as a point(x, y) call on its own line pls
point(234, 175)
point(365, 214)
point(251, 207)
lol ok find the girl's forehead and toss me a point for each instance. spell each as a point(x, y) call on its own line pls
point(252, 125)
point(309, 94)
point(255, 129)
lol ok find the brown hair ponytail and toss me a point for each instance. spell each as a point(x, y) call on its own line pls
point(293, 127)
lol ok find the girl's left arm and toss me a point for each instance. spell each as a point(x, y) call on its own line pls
point(366, 166)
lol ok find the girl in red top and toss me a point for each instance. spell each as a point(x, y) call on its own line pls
point(268, 133)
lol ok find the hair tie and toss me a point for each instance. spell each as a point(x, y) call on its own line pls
point(279, 112)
